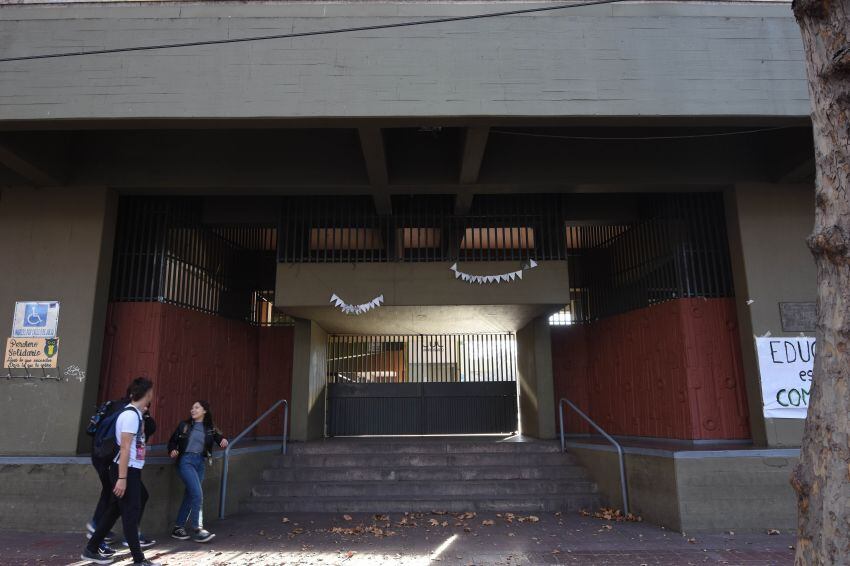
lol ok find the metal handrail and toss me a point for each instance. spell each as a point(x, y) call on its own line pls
point(624, 486)
point(223, 489)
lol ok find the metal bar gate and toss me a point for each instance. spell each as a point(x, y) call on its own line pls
point(421, 384)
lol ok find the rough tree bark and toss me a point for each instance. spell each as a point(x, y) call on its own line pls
point(822, 478)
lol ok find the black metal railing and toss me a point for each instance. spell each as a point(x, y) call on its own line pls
point(431, 358)
point(680, 251)
point(421, 229)
point(165, 252)
point(665, 246)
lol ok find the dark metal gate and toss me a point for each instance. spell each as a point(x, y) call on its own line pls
point(421, 384)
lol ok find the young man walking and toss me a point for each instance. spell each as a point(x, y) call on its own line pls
point(101, 466)
point(126, 477)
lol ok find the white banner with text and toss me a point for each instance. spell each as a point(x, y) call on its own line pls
point(785, 366)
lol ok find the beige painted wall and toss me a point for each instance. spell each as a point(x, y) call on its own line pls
point(536, 388)
point(308, 381)
point(708, 494)
point(768, 226)
point(418, 284)
point(56, 244)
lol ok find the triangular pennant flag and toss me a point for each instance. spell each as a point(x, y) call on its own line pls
point(532, 263)
point(519, 274)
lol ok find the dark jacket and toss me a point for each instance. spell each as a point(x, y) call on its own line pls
point(180, 438)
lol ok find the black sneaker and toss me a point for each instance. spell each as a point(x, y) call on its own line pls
point(144, 542)
point(110, 536)
point(202, 535)
point(180, 534)
point(105, 550)
point(90, 556)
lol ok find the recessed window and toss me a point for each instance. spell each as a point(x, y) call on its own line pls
point(513, 238)
point(561, 318)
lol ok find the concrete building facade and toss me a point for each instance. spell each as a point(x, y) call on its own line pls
point(645, 167)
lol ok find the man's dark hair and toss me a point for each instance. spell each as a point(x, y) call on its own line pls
point(139, 388)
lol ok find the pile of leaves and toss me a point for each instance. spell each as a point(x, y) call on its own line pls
point(611, 514)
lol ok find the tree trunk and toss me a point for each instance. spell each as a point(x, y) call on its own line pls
point(822, 478)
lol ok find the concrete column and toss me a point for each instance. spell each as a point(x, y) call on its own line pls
point(309, 367)
point(768, 225)
point(55, 244)
point(536, 389)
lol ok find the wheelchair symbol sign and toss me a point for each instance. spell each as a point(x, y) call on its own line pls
point(36, 315)
point(35, 319)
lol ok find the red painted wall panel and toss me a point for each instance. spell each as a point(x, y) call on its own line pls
point(192, 355)
point(672, 370)
point(274, 378)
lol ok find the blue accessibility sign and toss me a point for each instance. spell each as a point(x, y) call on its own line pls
point(35, 319)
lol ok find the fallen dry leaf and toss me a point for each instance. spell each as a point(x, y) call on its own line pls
point(772, 532)
point(346, 517)
point(488, 522)
point(285, 520)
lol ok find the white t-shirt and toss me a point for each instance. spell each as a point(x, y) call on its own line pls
point(129, 421)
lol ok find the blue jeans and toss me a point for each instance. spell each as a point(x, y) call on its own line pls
point(191, 470)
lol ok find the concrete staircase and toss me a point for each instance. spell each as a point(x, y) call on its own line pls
point(423, 474)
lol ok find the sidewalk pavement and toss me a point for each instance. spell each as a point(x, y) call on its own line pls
point(420, 539)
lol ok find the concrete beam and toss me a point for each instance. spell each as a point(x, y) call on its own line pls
point(474, 145)
point(473, 154)
point(536, 382)
point(308, 381)
point(463, 202)
point(799, 171)
point(372, 144)
point(28, 165)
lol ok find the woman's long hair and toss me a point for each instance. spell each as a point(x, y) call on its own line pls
point(208, 418)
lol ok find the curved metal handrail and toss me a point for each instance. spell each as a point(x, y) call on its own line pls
point(226, 466)
point(623, 485)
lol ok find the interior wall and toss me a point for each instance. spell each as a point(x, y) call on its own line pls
point(671, 370)
point(769, 221)
point(56, 244)
point(239, 368)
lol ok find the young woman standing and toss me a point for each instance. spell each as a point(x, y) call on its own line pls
point(190, 445)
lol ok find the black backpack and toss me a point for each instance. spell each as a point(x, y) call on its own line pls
point(105, 446)
point(103, 411)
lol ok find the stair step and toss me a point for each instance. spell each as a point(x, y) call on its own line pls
point(381, 446)
point(408, 460)
point(424, 473)
point(523, 504)
point(379, 475)
point(378, 489)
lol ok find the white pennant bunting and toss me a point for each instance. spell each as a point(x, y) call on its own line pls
point(482, 279)
point(356, 309)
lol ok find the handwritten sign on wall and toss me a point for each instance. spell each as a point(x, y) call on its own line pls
point(786, 366)
point(31, 353)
